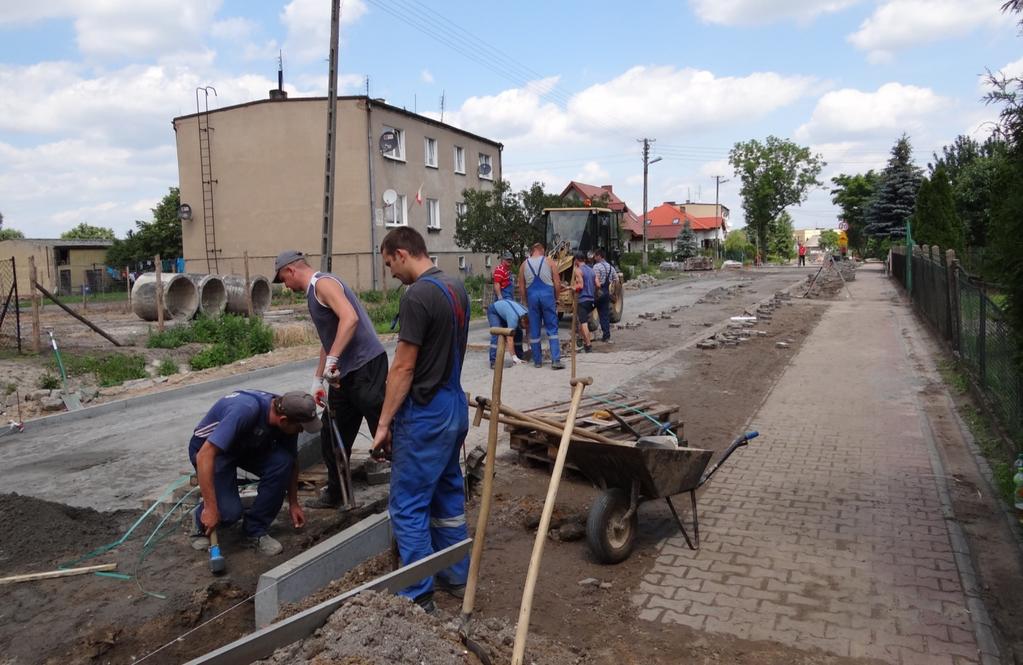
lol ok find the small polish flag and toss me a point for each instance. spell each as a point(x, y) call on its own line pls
point(419, 195)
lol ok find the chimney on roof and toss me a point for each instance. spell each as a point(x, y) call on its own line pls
point(279, 94)
point(607, 188)
point(670, 203)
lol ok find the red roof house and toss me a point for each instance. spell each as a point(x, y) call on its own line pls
point(665, 222)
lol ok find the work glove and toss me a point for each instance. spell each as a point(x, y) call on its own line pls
point(330, 371)
point(318, 390)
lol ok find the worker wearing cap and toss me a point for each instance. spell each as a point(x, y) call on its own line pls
point(426, 415)
point(352, 360)
point(540, 288)
point(504, 286)
point(256, 431)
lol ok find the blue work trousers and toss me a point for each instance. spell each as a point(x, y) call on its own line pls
point(542, 311)
point(497, 321)
point(427, 500)
point(274, 468)
point(604, 314)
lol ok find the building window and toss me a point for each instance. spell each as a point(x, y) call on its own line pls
point(432, 214)
point(461, 209)
point(486, 169)
point(461, 263)
point(396, 213)
point(675, 221)
point(398, 153)
point(430, 150)
point(434, 259)
point(487, 261)
point(459, 159)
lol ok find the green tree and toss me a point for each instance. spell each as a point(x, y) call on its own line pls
point(828, 240)
point(934, 220)
point(686, 245)
point(88, 232)
point(974, 194)
point(501, 220)
point(160, 236)
point(895, 197)
point(852, 193)
point(775, 174)
point(780, 242)
point(737, 245)
point(11, 234)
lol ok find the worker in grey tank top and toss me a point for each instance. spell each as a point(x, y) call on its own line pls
point(539, 289)
point(352, 372)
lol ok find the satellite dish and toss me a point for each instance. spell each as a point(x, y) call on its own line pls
point(484, 169)
point(388, 141)
point(390, 196)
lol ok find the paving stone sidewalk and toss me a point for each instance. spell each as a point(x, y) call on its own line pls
point(828, 531)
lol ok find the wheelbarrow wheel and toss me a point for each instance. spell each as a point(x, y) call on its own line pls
point(610, 537)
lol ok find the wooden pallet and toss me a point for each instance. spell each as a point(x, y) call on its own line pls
point(534, 445)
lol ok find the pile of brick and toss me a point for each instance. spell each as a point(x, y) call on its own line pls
point(830, 279)
point(641, 282)
point(743, 328)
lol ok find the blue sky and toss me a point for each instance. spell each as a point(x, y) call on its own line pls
point(90, 87)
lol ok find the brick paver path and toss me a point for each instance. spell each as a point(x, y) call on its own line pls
point(827, 531)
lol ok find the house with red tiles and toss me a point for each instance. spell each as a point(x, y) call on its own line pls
point(665, 222)
point(604, 196)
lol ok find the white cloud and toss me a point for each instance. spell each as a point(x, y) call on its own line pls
point(308, 26)
point(425, 76)
point(517, 114)
point(234, 29)
point(900, 24)
point(894, 108)
point(719, 167)
point(592, 172)
point(524, 179)
point(758, 12)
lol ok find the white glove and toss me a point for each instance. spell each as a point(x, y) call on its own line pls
point(331, 372)
point(318, 390)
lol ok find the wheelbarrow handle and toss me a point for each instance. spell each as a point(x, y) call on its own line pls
point(739, 442)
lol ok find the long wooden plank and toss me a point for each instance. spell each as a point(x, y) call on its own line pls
point(95, 328)
point(262, 643)
point(50, 574)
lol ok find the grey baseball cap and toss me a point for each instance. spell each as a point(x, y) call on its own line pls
point(300, 407)
point(507, 255)
point(286, 257)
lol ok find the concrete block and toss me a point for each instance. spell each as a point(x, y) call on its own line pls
point(313, 569)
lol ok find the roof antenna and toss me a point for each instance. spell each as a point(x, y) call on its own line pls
point(442, 106)
point(279, 93)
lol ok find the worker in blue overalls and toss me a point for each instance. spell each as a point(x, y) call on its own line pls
point(506, 313)
point(540, 288)
point(426, 415)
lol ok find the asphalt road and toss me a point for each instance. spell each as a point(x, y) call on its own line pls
point(124, 458)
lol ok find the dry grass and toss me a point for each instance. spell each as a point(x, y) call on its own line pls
point(294, 334)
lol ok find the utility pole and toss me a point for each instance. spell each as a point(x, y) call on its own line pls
point(646, 166)
point(717, 206)
point(327, 246)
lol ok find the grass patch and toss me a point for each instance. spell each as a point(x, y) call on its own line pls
point(231, 337)
point(48, 382)
point(10, 388)
point(108, 370)
point(294, 334)
point(167, 367)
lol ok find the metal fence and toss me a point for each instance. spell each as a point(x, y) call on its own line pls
point(960, 308)
point(10, 312)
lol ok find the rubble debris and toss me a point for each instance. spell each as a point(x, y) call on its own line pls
point(589, 581)
point(829, 280)
point(641, 282)
point(782, 345)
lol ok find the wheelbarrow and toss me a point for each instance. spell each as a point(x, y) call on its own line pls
point(654, 468)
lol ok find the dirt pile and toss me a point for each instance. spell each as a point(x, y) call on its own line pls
point(830, 279)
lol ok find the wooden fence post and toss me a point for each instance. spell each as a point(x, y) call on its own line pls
point(982, 339)
point(951, 266)
point(32, 279)
point(248, 285)
point(159, 295)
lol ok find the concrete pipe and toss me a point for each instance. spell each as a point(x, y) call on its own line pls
point(180, 297)
point(236, 300)
point(212, 293)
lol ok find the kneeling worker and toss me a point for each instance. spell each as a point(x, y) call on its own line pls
point(256, 431)
point(507, 313)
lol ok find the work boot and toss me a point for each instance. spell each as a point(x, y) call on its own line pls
point(266, 544)
point(325, 499)
point(426, 602)
point(456, 590)
point(556, 365)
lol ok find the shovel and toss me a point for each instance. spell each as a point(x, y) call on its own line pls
point(71, 400)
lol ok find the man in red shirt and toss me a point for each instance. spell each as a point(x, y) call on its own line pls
point(802, 254)
point(503, 278)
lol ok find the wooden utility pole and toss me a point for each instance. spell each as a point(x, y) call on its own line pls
point(33, 280)
point(248, 285)
point(159, 295)
point(327, 244)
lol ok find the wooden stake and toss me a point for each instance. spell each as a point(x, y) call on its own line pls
point(75, 314)
point(33, 282)
point(130, 285)
point(248, 285)
point(57, 573)
point(159, 295)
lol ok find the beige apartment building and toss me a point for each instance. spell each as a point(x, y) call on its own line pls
point(256, 185)
point(62, 266)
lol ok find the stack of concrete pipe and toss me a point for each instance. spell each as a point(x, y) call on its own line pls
point(187, 294)
point(180, 297)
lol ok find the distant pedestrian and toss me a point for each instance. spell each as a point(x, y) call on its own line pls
point(586, 289)
point(540, 289)
point(504, 285)
point(606, 277)
point(352, 370)
point(802, 254)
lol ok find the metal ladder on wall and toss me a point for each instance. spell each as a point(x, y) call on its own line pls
point(202, 113)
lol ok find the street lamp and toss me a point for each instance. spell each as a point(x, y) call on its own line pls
point(646, 164)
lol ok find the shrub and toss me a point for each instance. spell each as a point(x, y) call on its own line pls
point(48, 382)
point(231, 338)
point(108, 370)
point(167, 367)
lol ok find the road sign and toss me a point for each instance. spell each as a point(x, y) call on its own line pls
point(843, 226)
point(843, 239)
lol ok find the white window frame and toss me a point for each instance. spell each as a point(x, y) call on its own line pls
point(433, 213)
point(398, 212)
point(398, 154)
point(430, 146)
point(487, 261)
point(434, 259)
point(459, 160)
point(485, 159)
point(460, 208)
point(461, 263)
